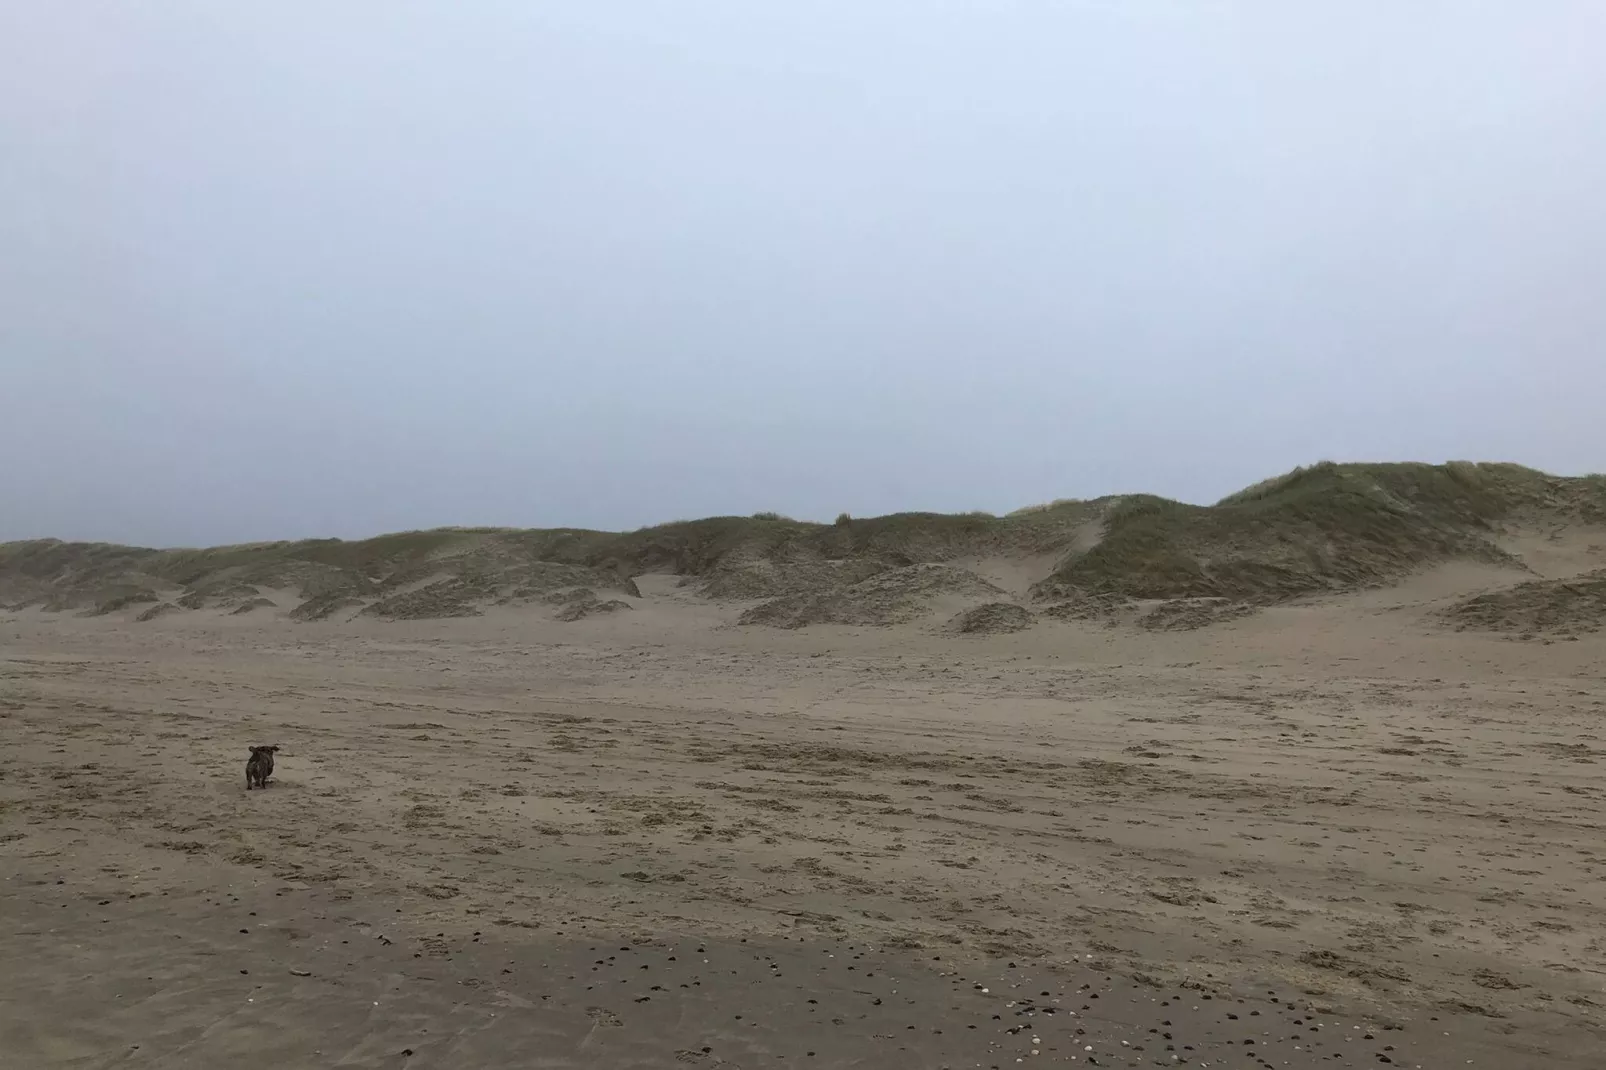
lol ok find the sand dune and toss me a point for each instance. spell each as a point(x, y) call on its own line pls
point(1321, 830)
point(1387, 822)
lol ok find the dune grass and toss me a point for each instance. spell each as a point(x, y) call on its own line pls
point(1318, 528)
point(1315, 528)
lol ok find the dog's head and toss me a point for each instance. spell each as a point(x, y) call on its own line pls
point(270, 751)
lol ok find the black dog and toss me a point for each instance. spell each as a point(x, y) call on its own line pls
point(259, 767)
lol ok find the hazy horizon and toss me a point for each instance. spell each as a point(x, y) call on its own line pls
point(278, 271)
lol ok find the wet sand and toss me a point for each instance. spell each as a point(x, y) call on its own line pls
point(287, 975)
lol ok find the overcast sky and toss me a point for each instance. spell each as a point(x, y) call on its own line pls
point(275, 269)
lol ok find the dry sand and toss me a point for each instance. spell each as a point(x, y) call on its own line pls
point(1336, 833)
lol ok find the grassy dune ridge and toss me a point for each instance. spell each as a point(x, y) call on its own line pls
point(1321, 528)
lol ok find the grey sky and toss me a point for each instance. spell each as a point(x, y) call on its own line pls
point(283, 269)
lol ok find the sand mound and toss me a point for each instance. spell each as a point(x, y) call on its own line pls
point(321, 581)
point(1187, 614)
point(1165, 615)
point(324, 606)
point(991, 618)
point(586, 605)
point(310, 579)
point(745, 580)
point(218, 595)
point(1082, 605)
point(553, 583)
point(160, 609)
point(1558, 607)
point(253, 605)
point(444, 598)
point(573, 594)
point(122, 601)
point(466, 593)
point(891, 597)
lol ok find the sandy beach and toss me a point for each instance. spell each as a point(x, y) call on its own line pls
point(896, 536)
point(1330, 833)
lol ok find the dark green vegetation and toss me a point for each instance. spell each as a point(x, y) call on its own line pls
point(1327, 527)
point(1542, 607)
